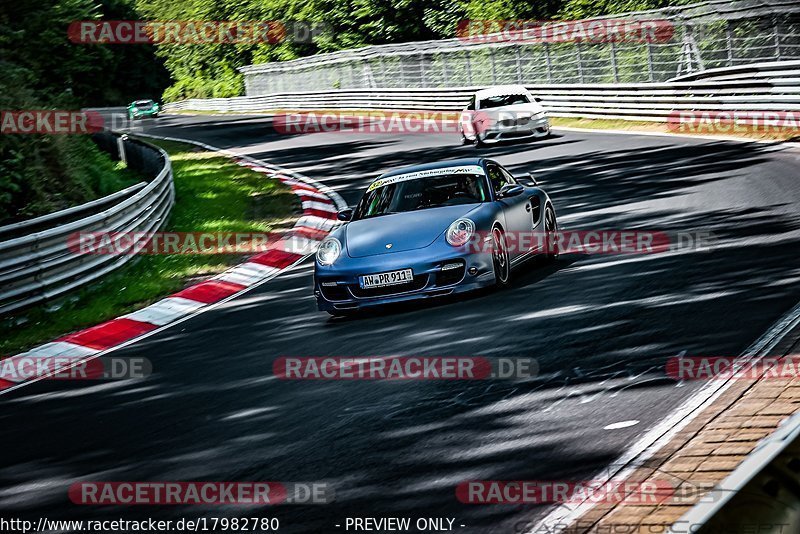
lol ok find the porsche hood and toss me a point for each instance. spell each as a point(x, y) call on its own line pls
point(398, 232)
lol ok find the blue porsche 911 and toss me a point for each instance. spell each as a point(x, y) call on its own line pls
point(432, 230)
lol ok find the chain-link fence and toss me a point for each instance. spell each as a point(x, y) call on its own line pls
point(701, 36)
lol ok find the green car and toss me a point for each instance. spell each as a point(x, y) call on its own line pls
point(143, 108)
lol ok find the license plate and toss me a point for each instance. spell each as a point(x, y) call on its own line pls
point(386, 279)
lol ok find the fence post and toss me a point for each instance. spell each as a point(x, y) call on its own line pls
point(469, 68)
point(729, 42)
point(548, 62)
point(518, 57)
point(494, 69)
point(382, 69)
point(580, 60)
point(614, 62)
point(777, 29)
point(650, 72)
point(443, 57)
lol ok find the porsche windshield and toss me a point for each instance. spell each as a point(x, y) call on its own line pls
point(422, 193)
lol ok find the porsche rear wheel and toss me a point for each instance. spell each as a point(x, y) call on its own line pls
point(500, 259)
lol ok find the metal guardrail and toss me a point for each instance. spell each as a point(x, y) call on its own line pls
point(776, 88)
point(38, 265)
point(706, 35)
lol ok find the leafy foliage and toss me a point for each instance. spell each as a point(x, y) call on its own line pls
point(43, 70)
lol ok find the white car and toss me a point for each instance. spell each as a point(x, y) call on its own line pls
point(502, 113)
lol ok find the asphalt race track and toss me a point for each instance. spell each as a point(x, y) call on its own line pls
point(601, 327)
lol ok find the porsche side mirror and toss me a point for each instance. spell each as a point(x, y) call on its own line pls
point(510, 190)
point(345, 214)
point(527, 179)
point(537, 99)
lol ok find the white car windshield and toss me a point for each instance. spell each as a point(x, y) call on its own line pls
point(503, 100)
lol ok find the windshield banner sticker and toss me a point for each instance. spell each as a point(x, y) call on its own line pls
point(469, 169)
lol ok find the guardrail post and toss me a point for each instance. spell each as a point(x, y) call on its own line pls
point(121, 148)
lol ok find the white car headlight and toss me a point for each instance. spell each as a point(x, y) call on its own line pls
point(460, 232)
point(329, 251)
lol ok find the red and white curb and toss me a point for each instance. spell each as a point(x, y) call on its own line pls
point(320, 205)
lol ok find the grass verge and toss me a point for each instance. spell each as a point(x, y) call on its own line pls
point(787, 134)
point(213, 194)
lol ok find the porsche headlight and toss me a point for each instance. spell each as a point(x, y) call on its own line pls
point(460, 232)
point(329, 251)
